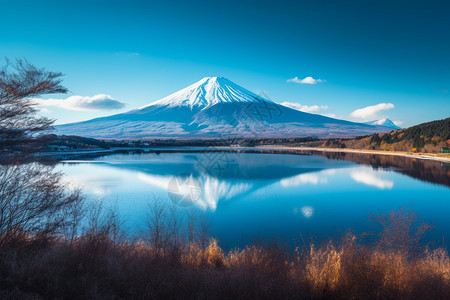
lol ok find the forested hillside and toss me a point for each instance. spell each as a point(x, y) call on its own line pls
point(429, 137)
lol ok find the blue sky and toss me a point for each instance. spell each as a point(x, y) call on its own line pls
point(136, 52)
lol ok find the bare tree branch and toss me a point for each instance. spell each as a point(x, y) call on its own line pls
point(19, 82)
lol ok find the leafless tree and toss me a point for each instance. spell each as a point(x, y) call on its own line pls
point(74, 215)
point(401, 231)
point(33, 201)
point(157, 229)
point(19, 82)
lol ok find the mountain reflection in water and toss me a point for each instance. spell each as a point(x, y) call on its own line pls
point(226, 177)
point(263, 196)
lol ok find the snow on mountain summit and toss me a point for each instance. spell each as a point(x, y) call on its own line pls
point(383, 122)
point(208, 92)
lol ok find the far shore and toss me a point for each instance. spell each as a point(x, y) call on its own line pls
point(426, 156)
point(429, 156)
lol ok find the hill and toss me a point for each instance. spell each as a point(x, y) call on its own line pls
point(67, 142)
point(430, 137)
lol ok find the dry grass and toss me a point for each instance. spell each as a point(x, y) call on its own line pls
point(98, 265)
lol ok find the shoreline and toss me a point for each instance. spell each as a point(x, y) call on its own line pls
point(426, 156)
point(243, 148)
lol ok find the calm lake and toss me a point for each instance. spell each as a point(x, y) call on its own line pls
point(269, 196)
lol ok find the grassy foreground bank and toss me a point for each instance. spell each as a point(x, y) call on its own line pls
point(99, 265)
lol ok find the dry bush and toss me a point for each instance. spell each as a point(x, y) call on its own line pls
point(103, 269)
point(195, 255)
point(395, 267)
point(97, 265)
point(323, 267)
point(436, 262)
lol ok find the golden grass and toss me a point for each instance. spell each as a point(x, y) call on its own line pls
point(330, 269)
point(347, 270)
point(98, 266)
point(324, 267)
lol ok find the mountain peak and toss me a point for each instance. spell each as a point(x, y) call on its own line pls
point(384, 122)
point(214, 78)
point(208, 92)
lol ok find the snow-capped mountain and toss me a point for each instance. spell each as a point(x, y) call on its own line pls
point(383, 122)
point(208, 92)
point(215, 107)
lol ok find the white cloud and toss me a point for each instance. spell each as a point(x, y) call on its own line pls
point(307, 211)
point(45, 110)
point(398, 123)
point(305, 108)
point(306, 80)
point(302, 179)
point(369, 177)
point(98, 185)
point(97, 102)
point(371, 112)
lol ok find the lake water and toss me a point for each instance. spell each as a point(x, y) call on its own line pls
point(266, 196)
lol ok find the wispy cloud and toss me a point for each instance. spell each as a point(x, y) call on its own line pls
point(371, 112)
point(305, 108)
point(127, 53)
point(398, 122)
point(97, 102)
point(306, 80)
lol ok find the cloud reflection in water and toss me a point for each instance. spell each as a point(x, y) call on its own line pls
point(369, 177)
